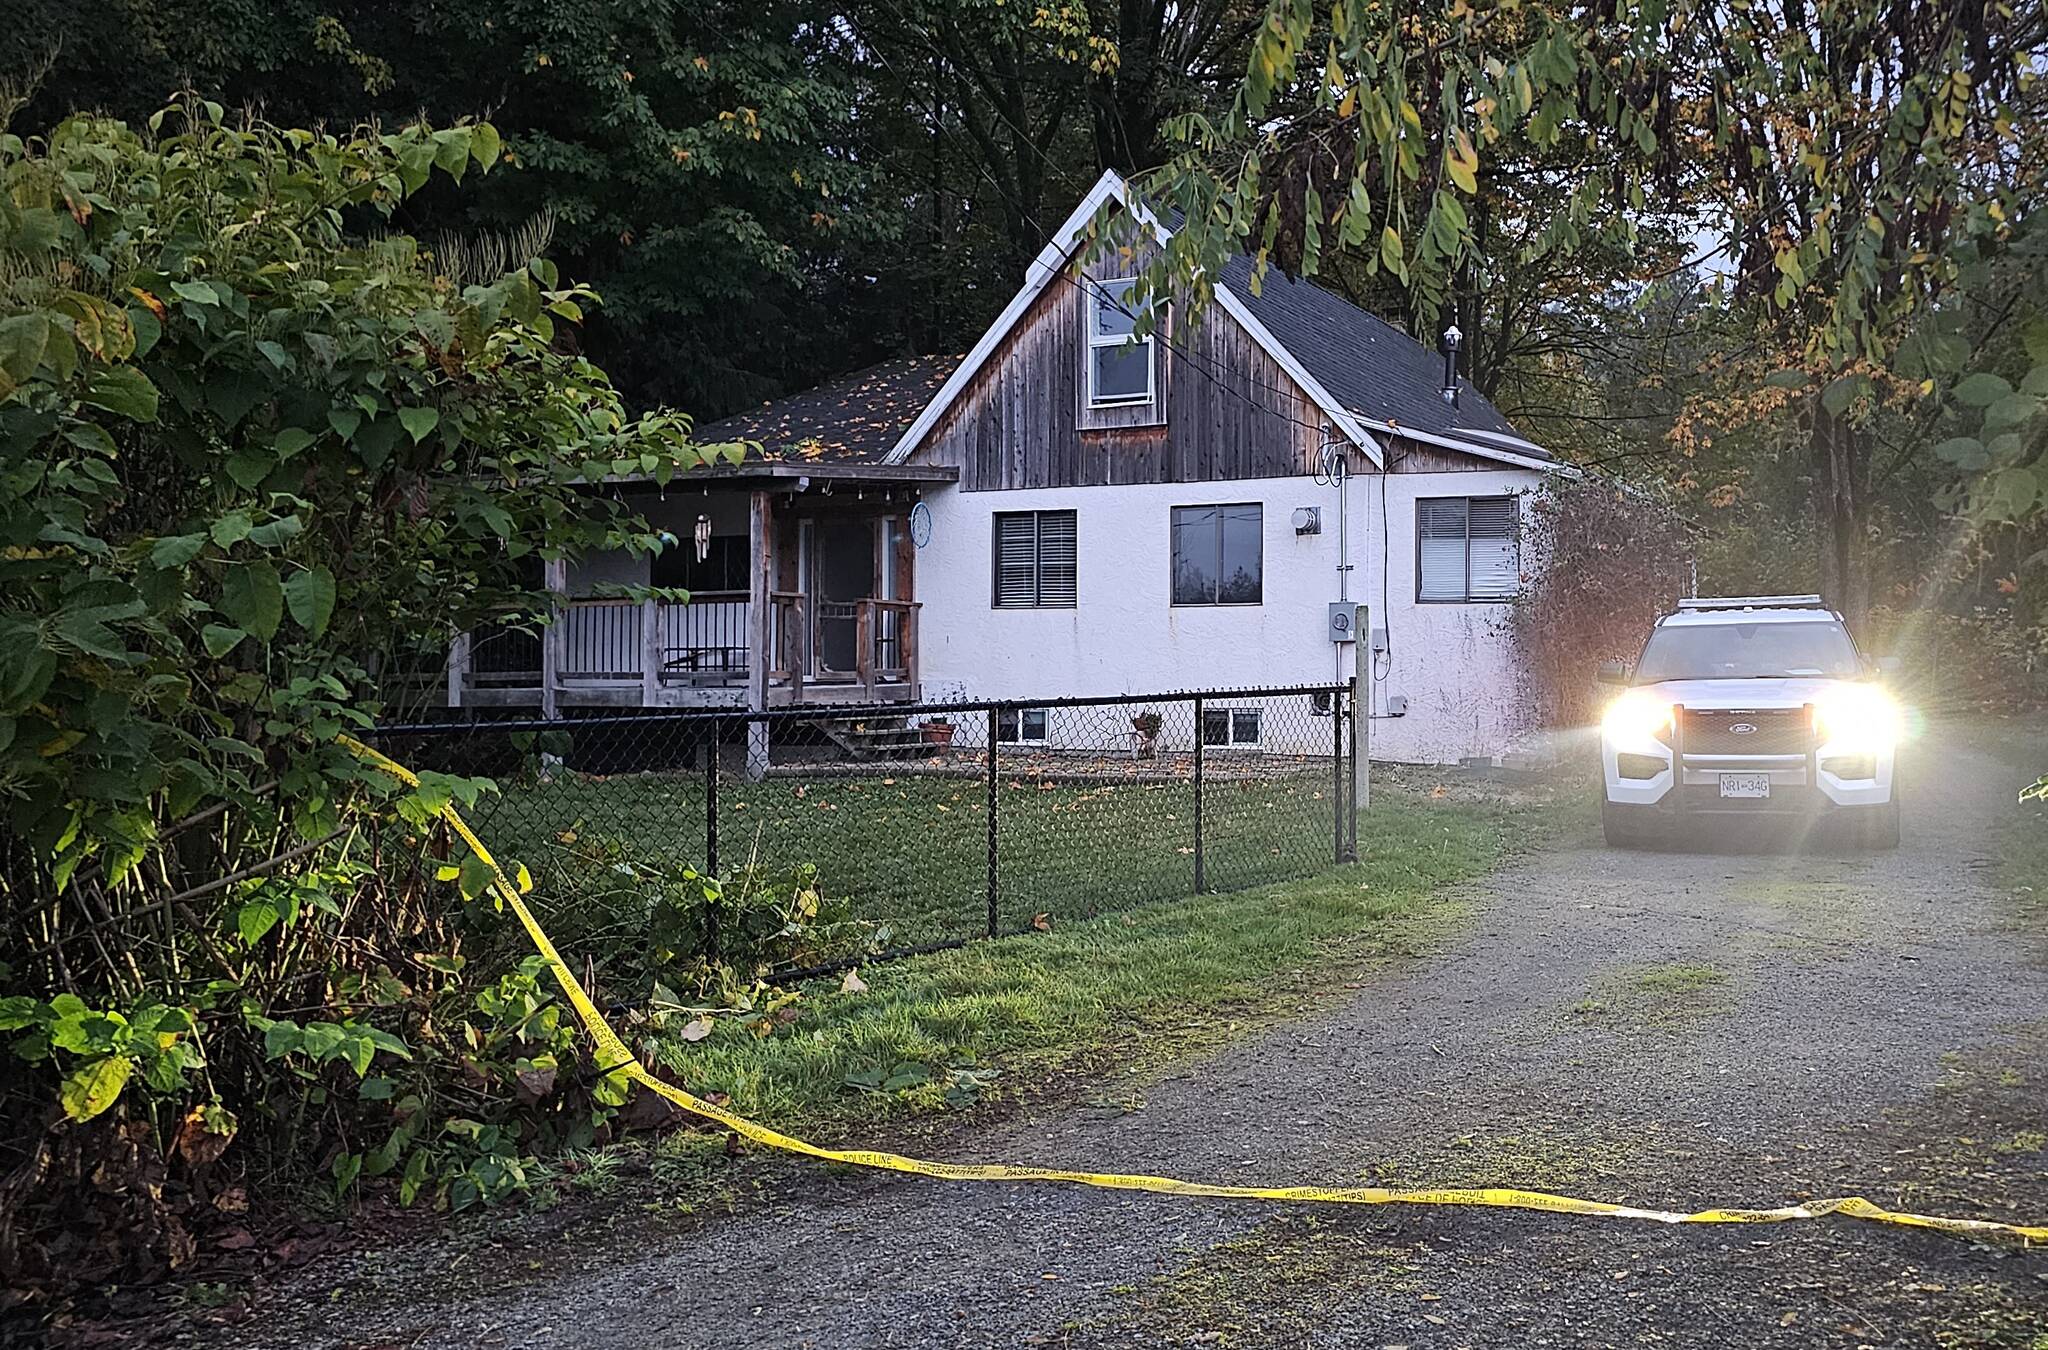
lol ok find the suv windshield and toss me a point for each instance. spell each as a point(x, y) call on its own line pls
point(1748, 651)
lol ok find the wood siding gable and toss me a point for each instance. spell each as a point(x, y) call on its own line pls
point(1230, 411)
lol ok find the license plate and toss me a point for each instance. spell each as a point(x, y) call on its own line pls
point(1745, 785)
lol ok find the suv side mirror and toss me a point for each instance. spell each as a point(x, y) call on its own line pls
point(1611, 671)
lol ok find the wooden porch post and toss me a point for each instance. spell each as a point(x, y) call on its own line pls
point(650, 653)
point(760, 627)
point(554, 641)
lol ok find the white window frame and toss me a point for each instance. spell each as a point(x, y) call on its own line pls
point(1230, 714)
point(1099, 294)
point(1173, 558)
point(1038, 563)
point(1020, 738)
point(1466, 597)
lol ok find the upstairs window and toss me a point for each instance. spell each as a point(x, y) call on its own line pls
point(1218, 554)
point(1035, 564)
point(1467, 549)
point(1120, 365)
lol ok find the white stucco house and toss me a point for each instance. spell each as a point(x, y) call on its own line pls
point(1073, 510)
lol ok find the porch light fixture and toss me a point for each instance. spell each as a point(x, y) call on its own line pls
point(702, 535)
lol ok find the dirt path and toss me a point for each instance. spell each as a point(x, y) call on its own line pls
point(1667, 1029)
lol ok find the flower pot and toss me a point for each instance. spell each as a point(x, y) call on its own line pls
point(937, 733)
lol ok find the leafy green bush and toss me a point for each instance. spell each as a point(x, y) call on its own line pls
point(258, 459)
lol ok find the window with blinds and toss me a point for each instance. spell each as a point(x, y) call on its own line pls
point(1467, 549)
point(1035, 560)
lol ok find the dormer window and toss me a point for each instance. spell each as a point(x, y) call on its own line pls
point(1120, 365)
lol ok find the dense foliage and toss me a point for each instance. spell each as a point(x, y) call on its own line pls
point(259, 460)
point(1604, 564)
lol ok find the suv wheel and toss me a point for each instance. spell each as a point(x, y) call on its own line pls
point(1624, 826)
point(1881, 826)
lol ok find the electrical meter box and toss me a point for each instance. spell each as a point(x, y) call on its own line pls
point(1346, 619)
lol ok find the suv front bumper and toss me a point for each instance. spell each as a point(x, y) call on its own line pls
point(1810, 784)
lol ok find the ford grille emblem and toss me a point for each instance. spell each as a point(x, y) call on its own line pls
point(1742, 728)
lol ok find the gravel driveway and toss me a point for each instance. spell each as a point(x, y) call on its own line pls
point(1668, 1029)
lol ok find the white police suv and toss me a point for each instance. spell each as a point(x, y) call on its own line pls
point(1745, 706)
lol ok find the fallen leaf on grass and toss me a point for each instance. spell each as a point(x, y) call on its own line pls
point(853, 983)
point(697, 1029)
point(1042, 922)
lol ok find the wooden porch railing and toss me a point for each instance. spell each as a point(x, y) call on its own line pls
point(605, 642)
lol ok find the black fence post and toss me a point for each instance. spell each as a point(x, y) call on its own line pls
point(711, 799)
point(1337, 769)
point(994, 921)
point(1201, 864)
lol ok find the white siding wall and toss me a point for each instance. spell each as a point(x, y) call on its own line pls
point(1450, 661)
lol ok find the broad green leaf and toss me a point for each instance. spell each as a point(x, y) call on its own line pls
point(321, 1040)
point(1787, 379)
point(485, 145)
point(123, 390)
point(277, 533)
point(146, 327)
point(22, 340)
point(1965, 452)
point(1840, 393)
point(220, 639)
point(176, 550)
point(232, 528)
point(475, 876)
point(254, 920)
point(419, 421)
point(2010, 411)
point(310, 597)
point(290, 441)
point(92, 1088)
point(251, 595)
point(1982, 389)
point(1390, 250)
point(249, 465)
point(100, 327)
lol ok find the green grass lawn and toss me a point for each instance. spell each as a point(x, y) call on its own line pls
point(911, 851)
point(926, 1032)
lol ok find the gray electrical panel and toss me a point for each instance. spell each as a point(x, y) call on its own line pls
point(1345, 620)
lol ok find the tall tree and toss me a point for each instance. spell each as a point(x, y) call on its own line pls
point(1835, 149)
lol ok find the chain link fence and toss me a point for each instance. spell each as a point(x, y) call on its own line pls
point(934, 823)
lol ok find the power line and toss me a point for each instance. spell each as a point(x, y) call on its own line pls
point(1085, 284)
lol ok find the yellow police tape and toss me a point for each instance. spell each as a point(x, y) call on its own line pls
point(612, 1052)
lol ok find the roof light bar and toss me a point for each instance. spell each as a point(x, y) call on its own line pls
point(1751, 602)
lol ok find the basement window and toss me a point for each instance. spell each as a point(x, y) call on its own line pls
point(1228, 728)
point(1020, 726)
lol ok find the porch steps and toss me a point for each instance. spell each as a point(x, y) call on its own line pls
point(873, 737)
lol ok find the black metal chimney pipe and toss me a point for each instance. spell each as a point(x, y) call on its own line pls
point(1451, 339)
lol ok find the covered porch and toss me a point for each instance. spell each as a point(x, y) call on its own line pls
point(802, 585)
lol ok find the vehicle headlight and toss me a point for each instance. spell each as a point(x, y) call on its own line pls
point(1857, 718)
point(1635, 718)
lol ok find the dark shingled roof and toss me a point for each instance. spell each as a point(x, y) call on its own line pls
point(854, 420)
point(1371, 367)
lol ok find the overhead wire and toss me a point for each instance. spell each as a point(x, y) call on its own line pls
point(1084, 284)
point(1326, 472)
